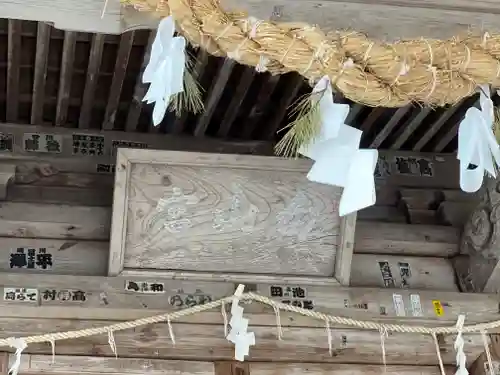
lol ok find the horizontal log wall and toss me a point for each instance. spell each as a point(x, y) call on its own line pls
point(60, 303)
point(36, 364)
point(58, 204)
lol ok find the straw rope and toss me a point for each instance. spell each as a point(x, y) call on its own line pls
point(434, 72)
point(362, 324)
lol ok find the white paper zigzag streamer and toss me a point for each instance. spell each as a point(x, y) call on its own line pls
point(165, 70)
point(477, 144)
point(338, 159)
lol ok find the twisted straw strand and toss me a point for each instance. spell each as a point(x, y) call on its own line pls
point(439, 72)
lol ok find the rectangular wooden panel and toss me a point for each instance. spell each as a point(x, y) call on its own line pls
point(222, 213)
point(392, 271)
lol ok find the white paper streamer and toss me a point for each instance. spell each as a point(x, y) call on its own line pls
point(238, 335)
point(19, 344)
point(477, 144)
point(338, 159)
point(165, 69)
point(459, 348)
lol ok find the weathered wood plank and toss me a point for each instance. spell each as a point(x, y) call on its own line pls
point(101, 147)
point(36, 364)
point(207, 343)
point(66, 257)
point(32, 220)
point(406, 239)
point(214, 95)
point(265, 221)
point(422, 170)
point(455, 214)
point(13, 68)
point(95, 58)
point(140, 89)
point(402, 272)
point(324, 369)
point(116, 298)
point(59, 195)
point(119, 73)
point(66, 76)
point(40, 76)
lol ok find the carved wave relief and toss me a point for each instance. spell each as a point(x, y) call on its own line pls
point(230, 220)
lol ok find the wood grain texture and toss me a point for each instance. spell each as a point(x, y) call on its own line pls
point(259, 213)
point(207, 343)
point(425, 272)
point(108, 299)
point(323, 369)
point(68, 257)
point(406, 239)
point(153, 141)
point(36, 364)
point(33, 220)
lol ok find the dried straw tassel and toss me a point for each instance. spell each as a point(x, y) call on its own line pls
point(190, 99)
point(304, 129)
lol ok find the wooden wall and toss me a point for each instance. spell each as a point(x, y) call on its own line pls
point(60, 211)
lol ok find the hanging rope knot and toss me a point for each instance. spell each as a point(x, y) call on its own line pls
point(19, 344)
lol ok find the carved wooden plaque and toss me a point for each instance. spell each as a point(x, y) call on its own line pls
point(186, 211)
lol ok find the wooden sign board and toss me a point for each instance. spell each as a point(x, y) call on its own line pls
point(224, 213)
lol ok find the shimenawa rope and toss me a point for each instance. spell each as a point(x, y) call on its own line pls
point(362, 324)
point(434, 72)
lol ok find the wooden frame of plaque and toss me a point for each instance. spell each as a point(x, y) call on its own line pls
point(232, 214)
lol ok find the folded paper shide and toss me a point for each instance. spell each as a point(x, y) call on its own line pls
point(478, 149)
point(165, 70)
point(338, 159)
point(239, 335)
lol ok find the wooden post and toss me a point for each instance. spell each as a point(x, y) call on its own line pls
point(478, 266)
point(232, 368)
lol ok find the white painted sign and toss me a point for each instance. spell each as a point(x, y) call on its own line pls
point(20, 294)
point(416, 306)
point(43, 142)
point(399, 305)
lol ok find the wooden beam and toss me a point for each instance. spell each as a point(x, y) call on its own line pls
point(94, 65)
point(389, 126)
point(120, 70)
point(140, 90)
point(236, 102)
point(13, 67)
point(409, 128)
point(383, 20)
point(101, 147)
point(293, 86)
point(262, 101)
point(41, 60)
point(124, 300)
point(66, 76)
point(213, 97)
